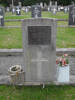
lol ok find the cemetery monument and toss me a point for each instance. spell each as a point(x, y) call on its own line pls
point(39, 43)
point(1, 16)
point(36, 11)
point(72, 15)
point(18, 11)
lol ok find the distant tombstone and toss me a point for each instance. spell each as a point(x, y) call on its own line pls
point(56, 3)
point(50, 5)
point(18, 11)
point(20, 5)
point(65, 10)
point(36, 11)
point(72, 15)
point(48, 8)
point(54, 10)
point(59, 8)
point(39, 42)
point(45, 8)
point(45, 5)
point(1, 17)
point(41, 4)
point(26, 9)
point(13, 10)
point(8, 9)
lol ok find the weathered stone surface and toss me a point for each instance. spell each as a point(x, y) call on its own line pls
point(1, 16)
point(72, 15)
point(40, 59)
point(36, 11)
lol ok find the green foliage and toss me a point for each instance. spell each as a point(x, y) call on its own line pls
point(32, 2)
point(50, 92)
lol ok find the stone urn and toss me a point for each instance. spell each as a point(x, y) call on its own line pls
point(17, 75)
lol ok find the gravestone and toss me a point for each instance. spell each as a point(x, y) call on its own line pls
point(50, 5)
point(41, 4)
point(20, 5)
point(45, 8)
point(72, 15)
point(18, 11)
point(59, 8)
point(13, 10)
point(8, 9)
point(26, 9)
point(65, 9)
point(1, 16)
point(39, 43)
point(36, 11)
point(54, 9)
point(48, 8)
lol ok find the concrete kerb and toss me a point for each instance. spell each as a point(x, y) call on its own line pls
point(18, 52)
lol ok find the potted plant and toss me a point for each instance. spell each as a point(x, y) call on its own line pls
point(63, 68)
point(17, 74)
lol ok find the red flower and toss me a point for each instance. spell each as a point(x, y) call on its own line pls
point(65, 55)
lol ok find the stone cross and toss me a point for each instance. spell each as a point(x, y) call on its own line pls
point(18, 10)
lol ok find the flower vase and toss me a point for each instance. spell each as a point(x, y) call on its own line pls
point(63, 74)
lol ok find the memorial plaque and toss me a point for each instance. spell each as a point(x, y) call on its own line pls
point(39, 35)
point(72, 15)
point(36, 11)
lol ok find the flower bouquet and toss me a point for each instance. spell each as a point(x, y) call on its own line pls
point(63, 68)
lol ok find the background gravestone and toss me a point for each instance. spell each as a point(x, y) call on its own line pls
point(1, 16)
point(45, 8)
point(13, 10)
point(39, 43)
point(18, 11)
point(20, 5)
point(36, 11)
point(41, 4)
point(54, 9)
point(72, 15)
point(26, 9)
point(8, 9)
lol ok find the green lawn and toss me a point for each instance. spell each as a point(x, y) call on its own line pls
point(59, 15)
point(12, 37)
point(37, 93)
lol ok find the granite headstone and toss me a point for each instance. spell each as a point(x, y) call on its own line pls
point(1, 16)
point(72, 15)
point(39, 43)
point(18, 11)
point(36, 11)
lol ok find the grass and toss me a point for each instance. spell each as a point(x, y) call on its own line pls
point(37, 93)
point(59, 15)
point(65, 38)
point(13, 23)
point(12, 37)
